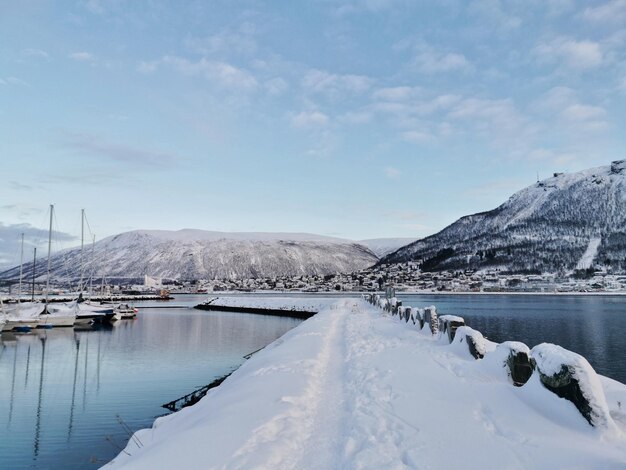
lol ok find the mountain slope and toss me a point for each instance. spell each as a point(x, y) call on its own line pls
point(383, 246)
point(556, 225)
point(197, 254)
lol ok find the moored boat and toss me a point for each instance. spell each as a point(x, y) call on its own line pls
point(126, 311)
point(58, 315)
point(22, 317)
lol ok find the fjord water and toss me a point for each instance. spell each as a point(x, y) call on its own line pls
point(62, 390)
point(594, 326)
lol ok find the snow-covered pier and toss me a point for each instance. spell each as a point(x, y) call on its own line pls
point(280, 306)
point(356, 387)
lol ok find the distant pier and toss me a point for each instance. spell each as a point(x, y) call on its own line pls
point(292, 313)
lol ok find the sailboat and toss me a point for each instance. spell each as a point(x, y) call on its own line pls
point(88, 311)
point(61, 314)
point(3, 315)
point(23, 317)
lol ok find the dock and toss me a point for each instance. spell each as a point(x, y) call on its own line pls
point(291, 313)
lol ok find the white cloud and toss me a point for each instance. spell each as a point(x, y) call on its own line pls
point(431, 60)
point(221, 73)
point(81, 56)
point(147, 67)
point(417, 137)
point(310, 119)
point(581, 112)
point(495, 15)
point(613, 11)
point(319, 81)
point(563, 105)
point(356, 117)
point(276, 86)
point(36, 53)
point(372, 6)
point(95, 7)
point(399, 93)
point(95, 146)
point(240, 41)
point(554, 157)
point(12, 81)
point(392, 172)
point(556, 98)
point(572, 53)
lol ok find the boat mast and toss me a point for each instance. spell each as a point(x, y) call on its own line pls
point(93, 246)
point(49, 252)
point(102, 287)
point(19, 290)
point(32, 298)
point(82, 249)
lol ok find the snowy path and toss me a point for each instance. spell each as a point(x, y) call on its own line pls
point(352, 388)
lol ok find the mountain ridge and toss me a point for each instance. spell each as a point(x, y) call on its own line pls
point(546, 227)
point(199, 254)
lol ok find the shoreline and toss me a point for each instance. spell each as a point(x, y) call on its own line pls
point(399, 292)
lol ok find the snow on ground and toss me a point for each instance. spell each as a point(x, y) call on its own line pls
point(312, 304)
point(354, 388)
point(590, 253)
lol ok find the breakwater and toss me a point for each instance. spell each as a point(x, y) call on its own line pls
point(291, 313)
point(564, 373)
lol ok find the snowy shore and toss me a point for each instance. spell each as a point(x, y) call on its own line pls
point(353, 388)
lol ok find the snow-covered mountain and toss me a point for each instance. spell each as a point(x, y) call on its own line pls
point(383, 246)
point(198, 254)
point(567, 222)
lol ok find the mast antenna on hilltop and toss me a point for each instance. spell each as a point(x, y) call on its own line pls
point(537, 177)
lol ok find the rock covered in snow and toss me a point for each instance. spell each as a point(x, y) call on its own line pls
point(448, 325)
point(570, 376)
point(430, 318)
point(513, 357)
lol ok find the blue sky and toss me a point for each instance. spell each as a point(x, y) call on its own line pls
point(358, 119)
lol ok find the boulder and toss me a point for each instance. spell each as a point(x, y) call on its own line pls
point(570, 376)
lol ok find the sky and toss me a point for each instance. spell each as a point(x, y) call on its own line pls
point(356, 119)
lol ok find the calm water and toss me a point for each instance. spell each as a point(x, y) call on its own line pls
point(593, 326)
point(61, 390)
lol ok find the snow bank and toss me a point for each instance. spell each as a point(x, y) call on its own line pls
point(570, 376)
point(344, 390)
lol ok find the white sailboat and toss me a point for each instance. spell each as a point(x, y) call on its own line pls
point(22, 317)
point(3, 316)
point(60, 314)
point(88, 311)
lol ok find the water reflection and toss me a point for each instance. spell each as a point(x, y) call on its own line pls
point(593, 326)
point(69, 398)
